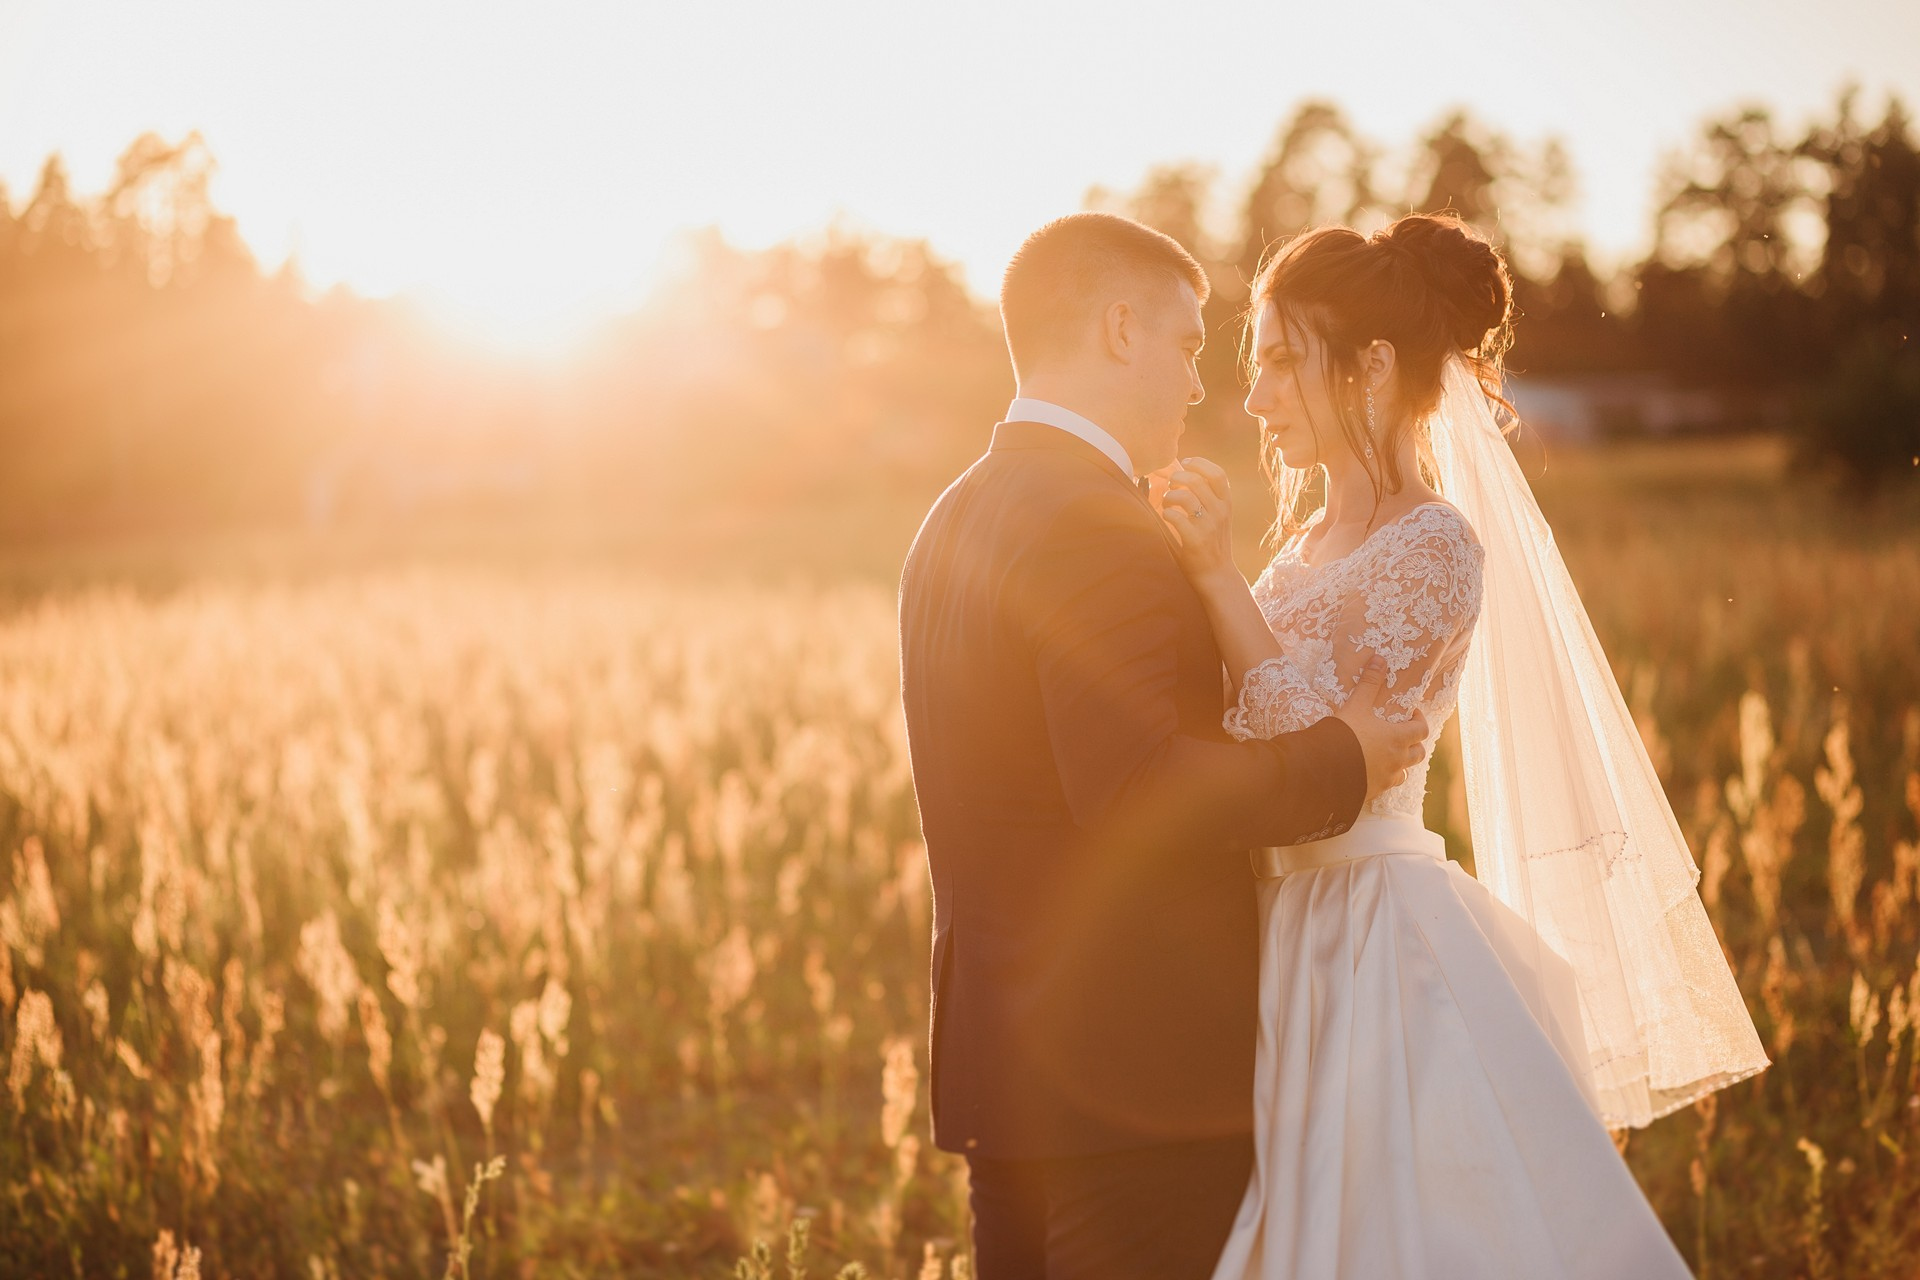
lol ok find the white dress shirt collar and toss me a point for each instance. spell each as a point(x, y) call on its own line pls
point(1028, 409)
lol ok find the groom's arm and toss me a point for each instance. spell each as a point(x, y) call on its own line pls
point(1102, 593)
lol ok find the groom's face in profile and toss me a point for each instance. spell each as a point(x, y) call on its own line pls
point(1166, 371)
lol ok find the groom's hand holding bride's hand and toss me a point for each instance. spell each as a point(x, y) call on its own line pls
point(1391, 747)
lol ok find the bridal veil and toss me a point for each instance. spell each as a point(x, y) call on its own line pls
point(1570, 826)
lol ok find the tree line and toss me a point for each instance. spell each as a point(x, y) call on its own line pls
point(154, 377)
point(1783, 269)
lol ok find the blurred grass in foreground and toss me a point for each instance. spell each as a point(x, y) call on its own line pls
point(326, 886)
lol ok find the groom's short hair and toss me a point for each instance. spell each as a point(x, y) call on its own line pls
point(1075, 265)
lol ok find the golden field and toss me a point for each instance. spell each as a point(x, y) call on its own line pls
point(515, 921)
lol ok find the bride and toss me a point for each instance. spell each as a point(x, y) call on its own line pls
point(1440, 1056)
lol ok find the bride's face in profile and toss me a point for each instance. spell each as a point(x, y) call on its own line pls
point(1290, 393)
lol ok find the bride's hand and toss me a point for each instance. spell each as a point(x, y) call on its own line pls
point(1198, 507)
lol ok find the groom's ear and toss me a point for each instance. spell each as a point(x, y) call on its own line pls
point(1120, 331)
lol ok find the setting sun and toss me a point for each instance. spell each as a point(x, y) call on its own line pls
point(1228, 640)
point(525, 165)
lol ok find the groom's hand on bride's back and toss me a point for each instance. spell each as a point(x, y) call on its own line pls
point(1391, 747)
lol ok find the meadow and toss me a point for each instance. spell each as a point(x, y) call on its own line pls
point(571, 920)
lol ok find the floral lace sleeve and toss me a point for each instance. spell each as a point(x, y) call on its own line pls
point(1275, 698)
point(1413, 600)
point(1416, 611)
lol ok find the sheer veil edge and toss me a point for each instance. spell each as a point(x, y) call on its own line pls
point(1571, 828)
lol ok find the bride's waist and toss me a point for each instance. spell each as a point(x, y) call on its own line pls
point(1371, 836)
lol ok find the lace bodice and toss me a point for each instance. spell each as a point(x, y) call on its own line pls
point(1410, 593)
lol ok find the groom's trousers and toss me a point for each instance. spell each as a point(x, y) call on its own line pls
point(1157, 1213)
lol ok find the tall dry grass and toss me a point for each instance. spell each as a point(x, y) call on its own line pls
point(470, 923)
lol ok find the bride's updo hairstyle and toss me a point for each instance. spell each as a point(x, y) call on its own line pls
point(1430, 285)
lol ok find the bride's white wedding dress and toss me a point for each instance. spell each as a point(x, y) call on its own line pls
point(1423, 1101)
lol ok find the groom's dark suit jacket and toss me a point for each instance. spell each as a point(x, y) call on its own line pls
point(1094, 952)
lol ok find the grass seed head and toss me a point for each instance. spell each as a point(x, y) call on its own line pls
point(489, 1074)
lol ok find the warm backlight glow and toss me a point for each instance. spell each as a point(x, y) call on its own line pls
point(523, 165)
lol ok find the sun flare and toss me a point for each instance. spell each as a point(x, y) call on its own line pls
point(527, 318)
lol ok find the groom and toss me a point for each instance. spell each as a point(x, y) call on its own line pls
point(1094, 950)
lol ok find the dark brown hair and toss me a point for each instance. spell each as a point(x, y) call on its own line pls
point(1075, 264)
point(1429, 284)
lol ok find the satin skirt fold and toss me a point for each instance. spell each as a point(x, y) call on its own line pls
point(1421, 1111)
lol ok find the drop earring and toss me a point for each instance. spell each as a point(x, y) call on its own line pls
point(1373, 426)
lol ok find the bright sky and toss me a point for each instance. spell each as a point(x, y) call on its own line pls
point(526, 163)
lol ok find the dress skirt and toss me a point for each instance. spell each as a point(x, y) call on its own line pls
point(1421, 1108)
